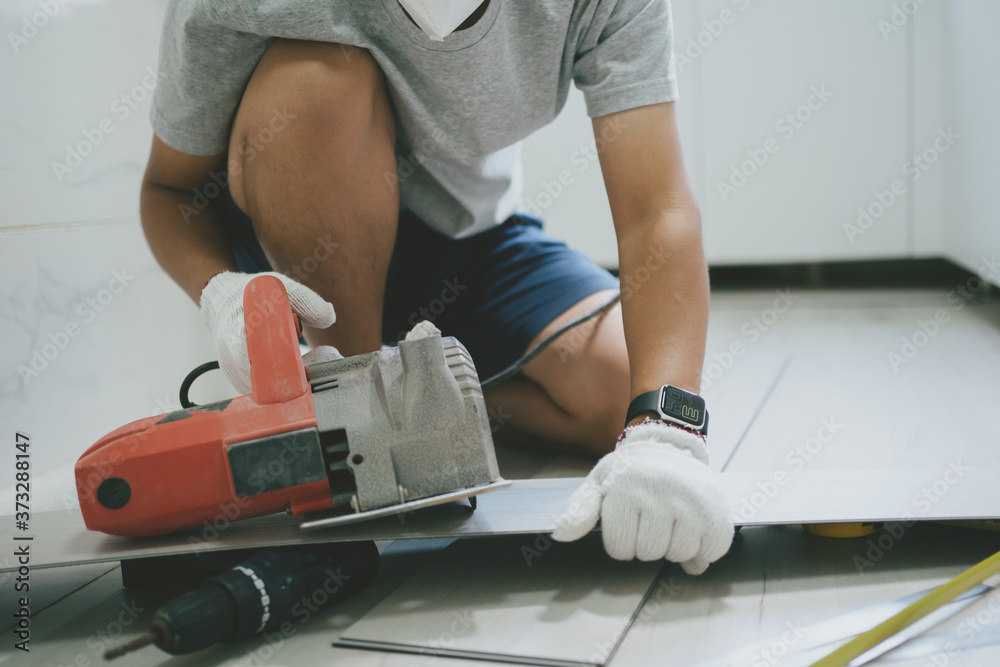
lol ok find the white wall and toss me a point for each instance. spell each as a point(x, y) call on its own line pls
point(83, 351)
point(971, 229)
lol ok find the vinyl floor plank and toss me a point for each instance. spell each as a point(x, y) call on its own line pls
point(778, 582)
point(47, 587)
point(517, 599)
point(530, 507)
point(851, 398)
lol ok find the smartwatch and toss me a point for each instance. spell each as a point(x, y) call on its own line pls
point(674, 405)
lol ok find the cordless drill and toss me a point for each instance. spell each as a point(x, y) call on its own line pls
point(268, 592)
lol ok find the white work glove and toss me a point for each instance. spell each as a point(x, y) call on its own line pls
point(656, 498)
point(222, 310)
point(321, 355)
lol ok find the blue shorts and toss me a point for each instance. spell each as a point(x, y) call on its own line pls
point(494, 291)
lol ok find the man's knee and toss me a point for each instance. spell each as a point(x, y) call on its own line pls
point(323, 96)
point(335, 88)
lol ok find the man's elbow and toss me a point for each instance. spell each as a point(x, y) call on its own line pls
point(675, 224)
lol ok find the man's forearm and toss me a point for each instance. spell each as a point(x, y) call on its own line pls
point(664, 283)
point(191, 249)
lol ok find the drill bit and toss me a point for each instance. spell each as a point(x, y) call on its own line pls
point(150, 638)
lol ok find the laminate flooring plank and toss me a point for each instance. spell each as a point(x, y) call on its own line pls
point(518, 599)
point(845, 403)
point(47, 587)
point(778, 581)
point(74, 630)
point(533, 506)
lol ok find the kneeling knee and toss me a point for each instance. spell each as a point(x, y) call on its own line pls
point(325, 93)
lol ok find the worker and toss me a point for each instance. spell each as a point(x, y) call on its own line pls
point(367, 154)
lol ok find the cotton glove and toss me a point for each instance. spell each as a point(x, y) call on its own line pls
point(656, 498)
point(222, 310)
point(321, 355)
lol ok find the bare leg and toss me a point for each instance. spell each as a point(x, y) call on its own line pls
point(573, 396)
point(313, 150)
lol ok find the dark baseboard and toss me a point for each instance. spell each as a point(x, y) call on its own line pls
point(894, 273)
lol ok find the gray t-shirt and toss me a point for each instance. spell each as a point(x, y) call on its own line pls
point(461, 106)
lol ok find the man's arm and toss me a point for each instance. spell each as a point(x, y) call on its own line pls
point(661, 260)
point(655, 495)
point(189, 245)
point(186, 241)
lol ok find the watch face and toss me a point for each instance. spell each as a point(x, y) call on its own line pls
point(683, 405)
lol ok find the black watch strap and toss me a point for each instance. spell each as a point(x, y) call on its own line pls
point(648, 402)
point(652, 401)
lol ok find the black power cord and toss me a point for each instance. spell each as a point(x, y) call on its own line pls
point(496, 378)
point(189, 380)
point(516, 367)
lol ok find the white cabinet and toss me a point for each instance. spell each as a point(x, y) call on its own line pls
point(794, 115)
point(806, 126)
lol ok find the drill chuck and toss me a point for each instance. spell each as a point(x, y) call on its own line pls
point(259, 595)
